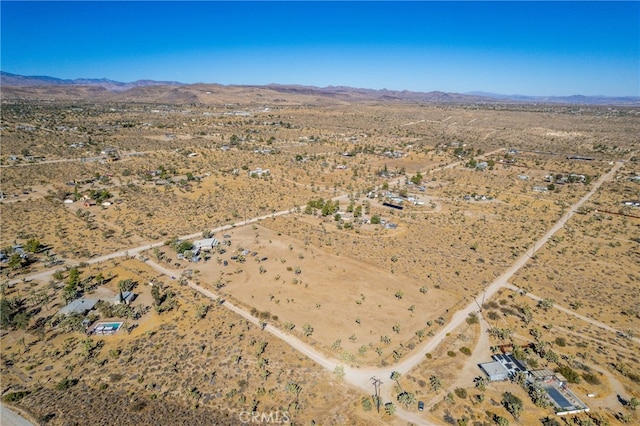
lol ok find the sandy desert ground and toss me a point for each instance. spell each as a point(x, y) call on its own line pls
point(365, 285)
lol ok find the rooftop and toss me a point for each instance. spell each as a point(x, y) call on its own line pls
point(79, 306)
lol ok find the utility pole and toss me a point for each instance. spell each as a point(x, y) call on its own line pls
point(376, 386)
point(480, 305)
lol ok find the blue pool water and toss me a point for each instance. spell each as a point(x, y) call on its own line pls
point(559, 398)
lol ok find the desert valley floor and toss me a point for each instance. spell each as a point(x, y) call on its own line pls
point(301, 259)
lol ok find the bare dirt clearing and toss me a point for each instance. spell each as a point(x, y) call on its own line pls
point(343, 300)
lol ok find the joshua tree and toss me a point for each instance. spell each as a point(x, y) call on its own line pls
point(389, 408)
point(396, 376)
point(307, 329)
point(407, 398)
point(434, 383)
point(480, 382)
point(295, 389)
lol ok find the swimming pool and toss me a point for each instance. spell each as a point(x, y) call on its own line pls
point(107, 327)
point(559, 399)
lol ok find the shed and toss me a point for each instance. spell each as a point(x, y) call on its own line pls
point(127, 298)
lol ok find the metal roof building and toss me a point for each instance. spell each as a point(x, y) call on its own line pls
point(495, 371)
point(80, 306)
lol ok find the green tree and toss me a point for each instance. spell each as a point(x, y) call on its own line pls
point(21, 320)
point(6, 313)
point(184, 246)
point(74, 278)
point(99, 279)
point(32, 245)
point(15, 261)
point(126, 285)
point(416, 179)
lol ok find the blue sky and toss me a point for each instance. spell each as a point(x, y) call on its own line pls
point(530, 48)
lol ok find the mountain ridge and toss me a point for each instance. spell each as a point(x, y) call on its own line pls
point(344, 93)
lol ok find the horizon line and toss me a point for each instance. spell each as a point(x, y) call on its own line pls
point(477, 92)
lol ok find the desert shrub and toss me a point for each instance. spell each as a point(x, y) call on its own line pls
point(66, 383)
point(461, 393)
point(451, 354)
point(493, 316)
point(472, 318)
point(591, 378)
point(465, 350)
point(115, 377)
point(635, 377)
point(507, 311)
point(561, 341)
point(366, 404)
point(138, 405)
point(265, 314)
point(15, 396)
point(569, 373)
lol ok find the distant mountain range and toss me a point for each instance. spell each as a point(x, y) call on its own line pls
point(8, 79)
point(342, 93)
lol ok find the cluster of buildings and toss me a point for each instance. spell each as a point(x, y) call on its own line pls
point(505, 366)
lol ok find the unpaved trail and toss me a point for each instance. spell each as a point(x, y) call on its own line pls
point(573, 313)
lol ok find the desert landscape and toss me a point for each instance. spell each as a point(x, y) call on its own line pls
point(258, 255)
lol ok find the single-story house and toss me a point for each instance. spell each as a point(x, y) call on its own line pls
point(495, 371)
point(207, 244)
point(503, 367)
point(79, 306)
point(258, 172)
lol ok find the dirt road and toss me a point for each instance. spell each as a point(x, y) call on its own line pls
point(8, 417)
